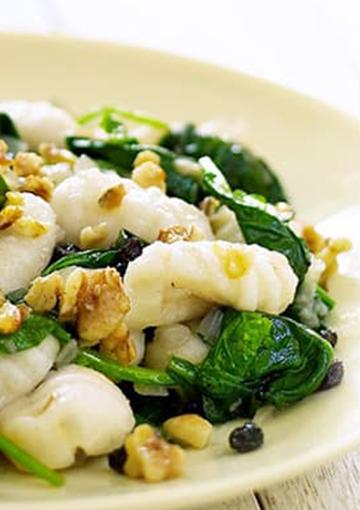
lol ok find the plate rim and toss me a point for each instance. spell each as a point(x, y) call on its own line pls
point(231, 486)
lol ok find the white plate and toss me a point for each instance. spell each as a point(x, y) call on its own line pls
point(316, 151)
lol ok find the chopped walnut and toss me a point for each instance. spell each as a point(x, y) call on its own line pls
point(94, 237)
point(9, 215)
point(5, 158)
point(38, 185)
point(327, 250)
point(10, 318)
point(27, 163)
point(119, 345)
point(189, 430)
point(14, 198)
point(94, 299)
point(52, 154)
point(175, 233)
point(149, 174)
point(112, 197)
point(29, 227)
point(145, 156)
point(45, 292)
point(150, 457)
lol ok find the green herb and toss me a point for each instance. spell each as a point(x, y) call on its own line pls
point(117, 372)
point(89, 258)
point(138, 118)
point(17, 296)
point(258, 359)
point(242, 169)
point(29, 463)
point(4, 188)
point(120, 155)
point(32, 332)
point(257, 224)
point(325, 297)
point(10, 134)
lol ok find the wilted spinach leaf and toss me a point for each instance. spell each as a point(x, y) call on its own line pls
point(10, 134)
point(258, 359)
point(257, 224)
point(32, 332)
point(242, 169)
point(120, 154)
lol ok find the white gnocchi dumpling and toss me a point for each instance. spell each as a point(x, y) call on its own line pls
point(24, 257)
point(244, 277)
point(75, 410)
point(39, 121)
point(141, 211)
point(174, 340)
point(22, 371)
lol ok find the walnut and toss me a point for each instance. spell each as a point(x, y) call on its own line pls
point(189, 430)
point(38, 185)
point(14, 198)
point(27, 163)
point(45, 292)
point(112, 197)
point(327, 250)
point(29, 227)
point(9, 215)
point(53, 154)
point(119, 345)
point(93, 237)
point(10, 318)
point(149, 174)
point(145, 156)
point(150, 457)
point(175, 233)
point(94, 299)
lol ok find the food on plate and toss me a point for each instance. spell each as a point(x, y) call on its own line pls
point(154, 282)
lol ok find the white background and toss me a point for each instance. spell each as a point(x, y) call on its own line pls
point(310, 45)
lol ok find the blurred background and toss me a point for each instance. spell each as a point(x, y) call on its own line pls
point(309, 45)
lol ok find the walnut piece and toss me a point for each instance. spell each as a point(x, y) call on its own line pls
point(38, 185)
point(150, 457)
point(9, 215)
point(10, 318)
point(52, 154)
point(112, 198)
point(119, 345)
point(29, 227)
point(94, 237)
point(189, 430)
point(27, 163)
point(327, 250)
point(94, 299)
point(148, 172)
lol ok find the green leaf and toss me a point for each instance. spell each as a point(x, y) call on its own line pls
point(120, 155)
point(32, 332)
point(89, 258)
point(3, 190)
point(17, 296)
point(257, 224)
point(242, 169)
point(117, 372)
point(10, 134)
point(325, 297)
point(258, 359)
point(122, 114)
point(29, 463)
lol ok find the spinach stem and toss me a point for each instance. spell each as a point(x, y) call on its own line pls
point(29, 463)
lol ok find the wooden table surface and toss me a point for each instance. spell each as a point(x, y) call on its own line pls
point(325, 64)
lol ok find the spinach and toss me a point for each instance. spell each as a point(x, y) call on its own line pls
point(32, 332)
point(126, 248)
point(242, 169)
point(17, 296)
point(120, 154)
point(3, 190)
point(10, 134)
point(258, 225)
point(258, 359)
point(116, 372)
point(89, 258)
point(28, 463)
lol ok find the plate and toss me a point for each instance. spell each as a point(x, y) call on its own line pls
point(316, 151)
